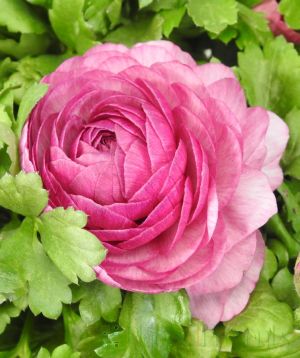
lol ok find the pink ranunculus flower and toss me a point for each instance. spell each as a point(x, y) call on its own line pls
point(276, 20)
point(174, 171)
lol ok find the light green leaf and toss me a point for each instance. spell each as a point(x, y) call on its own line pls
point(172, 19)
point(253, 27)
point(198, 343)
point(287, 346)
point(270, 265)
point(28, 44)
point(284, 288)
point(144, 3)
point(145, 28)
point(17, 16)
point(30, 99)
point(291, 158)
point(151, 323)
point(8, 137)
point(7, 311)
point(213, 15)
point(43, 353)
point(102, 15)
point(290, 9)
point(66, 17)
point(75, 251)
point(263, 315)
point(23, 194)
point(64, 351)
point(271, 77)
point(47, 287)
point(98, 300)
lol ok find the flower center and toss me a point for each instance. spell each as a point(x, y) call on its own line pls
point(105, 141)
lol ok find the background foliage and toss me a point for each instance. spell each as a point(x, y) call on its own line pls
point(59, 310)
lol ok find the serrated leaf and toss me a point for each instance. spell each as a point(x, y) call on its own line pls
point(172, 19)
point(75, 251)
point(30, 99)
point(150, 324)
point(144, 28)
point(7, 311)
point(27, 44)
point(271, 77)
point(253, 27)
point(284, 289)
point(290, 9)
point(291, 158)
point(23, 194)
point(270, 265)
point(47, 287)
point(198, 343)
point(288, 346)
point(66, 17)
point(213, 15)
point(17, 16)
point(99, 301)
point(263, 315)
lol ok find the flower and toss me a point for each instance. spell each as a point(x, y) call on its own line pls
point(276, 21)
point(174, 171)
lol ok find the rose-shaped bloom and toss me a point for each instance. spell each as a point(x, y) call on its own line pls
point(276, 21)
point(174, 171)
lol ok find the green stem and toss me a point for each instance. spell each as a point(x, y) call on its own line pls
point(276, 226)
point(23, 348)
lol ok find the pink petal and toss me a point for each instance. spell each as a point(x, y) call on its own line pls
point(252, 200)
point(213, 72)
point(276, 140)
point(223, 305)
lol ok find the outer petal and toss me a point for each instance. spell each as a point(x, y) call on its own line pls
point(223, 305)
point(276, 139)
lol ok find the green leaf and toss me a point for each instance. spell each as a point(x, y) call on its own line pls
point(102, 15)
point(280, 251)
point(291, 158)
point(98, 300)
point(44, 3)
point(151, 323)
point(288, 346)
point(7, 311)
point(8, 137)
point(270, 265)
point(253, 27)
point(17, 16)
point(198, 343)
point(263, 315)
point(291, 205)
point(290, 9)
point(64, 351)
point(284, 288)
point(213, 15)
point(30, 99)
point(66, 17)
point(144, 3)
point(75, 251)
point(23, 194)
point(47, 287)
point(28, 44)
point(144, 28)
point(172, 19)
point(271, 77)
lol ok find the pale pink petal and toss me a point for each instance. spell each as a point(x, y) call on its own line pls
point(276, 139)
point(223, 305)
point(252, 200)
point(213, 72)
